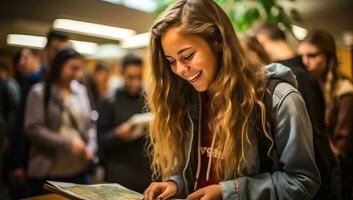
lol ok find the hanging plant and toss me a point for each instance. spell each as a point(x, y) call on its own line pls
point(245, 13)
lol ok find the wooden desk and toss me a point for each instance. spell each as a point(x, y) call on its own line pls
point(47, 197)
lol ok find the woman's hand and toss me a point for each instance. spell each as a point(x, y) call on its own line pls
point(123, 131)
point(160, 190)
point(212, 192)
point(78, 147)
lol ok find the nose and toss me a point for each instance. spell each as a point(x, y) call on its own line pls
point(78, 74)
point(181, 68)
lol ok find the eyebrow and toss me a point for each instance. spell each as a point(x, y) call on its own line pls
point(180, 51)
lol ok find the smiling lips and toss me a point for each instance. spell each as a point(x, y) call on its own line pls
point(195, 77)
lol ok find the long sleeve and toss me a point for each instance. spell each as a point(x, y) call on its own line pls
point(35, 127)
point(343, 130)
point(107, 138)
point(298, 176)
point(19, 144)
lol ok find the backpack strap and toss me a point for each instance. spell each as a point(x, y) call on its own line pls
point(266, 163)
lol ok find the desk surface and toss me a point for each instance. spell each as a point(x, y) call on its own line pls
point(47, 197)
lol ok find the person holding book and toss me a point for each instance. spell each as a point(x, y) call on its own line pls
point(210, 120)
point(57, 122)
point(120, 134)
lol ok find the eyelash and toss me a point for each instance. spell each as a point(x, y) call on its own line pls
point(187, 58)
point(172, 63)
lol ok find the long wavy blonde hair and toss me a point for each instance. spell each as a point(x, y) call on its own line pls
point(235, 94)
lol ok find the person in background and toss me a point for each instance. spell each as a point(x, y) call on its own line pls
point(122, 154)
point(255, 50)
point(56, 40)
point(116, 79)
point(9, 102)
point(318, 52)
point(57, 123)
point(28, 64)
point(98, 82)
point(275, 43)
point(10, 96)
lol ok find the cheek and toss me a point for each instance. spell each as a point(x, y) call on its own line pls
point(66, 74)
point(318, 64)
point(78, 74)
point(210, 68)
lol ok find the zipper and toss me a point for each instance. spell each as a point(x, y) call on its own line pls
point(188, 158)
point(190, 147)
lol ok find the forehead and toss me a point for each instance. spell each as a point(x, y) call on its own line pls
point(174, 40)
point(132, 68)
point(307, 47)
point(75, 61)
point(25, 52)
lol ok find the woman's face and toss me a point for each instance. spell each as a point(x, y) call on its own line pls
point(190, 57)
point(313, 58)
point(72, 69)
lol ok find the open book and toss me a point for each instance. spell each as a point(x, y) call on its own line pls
point(112, 191)
point(139, 123)
point(140, 119)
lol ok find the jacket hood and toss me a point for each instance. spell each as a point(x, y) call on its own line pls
point(279, 71)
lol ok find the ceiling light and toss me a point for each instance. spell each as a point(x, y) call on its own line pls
point(82, 47)
point(38, 42)
point(142, 5)
point(97, 30)
point(136, 41)
point(108, 52)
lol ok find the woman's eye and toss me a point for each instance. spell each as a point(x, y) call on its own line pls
point(189, 57)
point(172, 62)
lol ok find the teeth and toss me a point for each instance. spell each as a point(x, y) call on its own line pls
point(195, 76)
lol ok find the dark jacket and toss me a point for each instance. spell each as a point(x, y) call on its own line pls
point(125, 162)
point(311, 92)
point(340, 117)
point(19, 145)
point(9, 101)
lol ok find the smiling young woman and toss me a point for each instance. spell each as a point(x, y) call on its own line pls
point(206, 99)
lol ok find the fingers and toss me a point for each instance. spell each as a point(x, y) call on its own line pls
point(161, 190)
point(166, 194)
point(153, 190)
point(196, 195)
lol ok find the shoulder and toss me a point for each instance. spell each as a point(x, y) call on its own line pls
point(344, 87)
point(346, 100)
point(37, 88)
point(78, 87)
point(282, 92)
point(111, 96)
point(119, 91)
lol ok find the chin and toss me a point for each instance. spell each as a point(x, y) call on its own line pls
point(200, 88)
